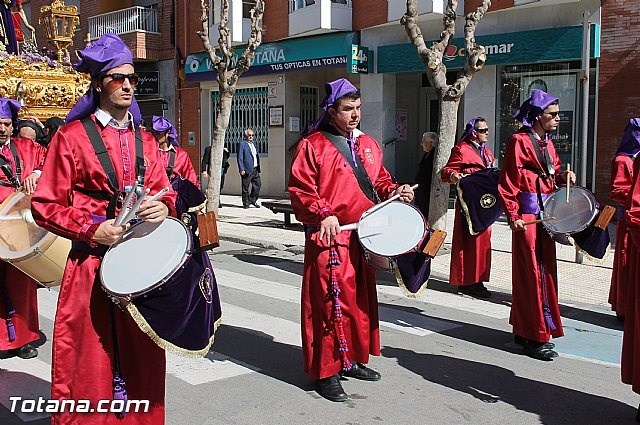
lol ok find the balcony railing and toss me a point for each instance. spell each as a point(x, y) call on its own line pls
point(124, 21)
point(299, 4)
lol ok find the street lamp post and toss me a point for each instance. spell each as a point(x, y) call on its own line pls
point(59, 22)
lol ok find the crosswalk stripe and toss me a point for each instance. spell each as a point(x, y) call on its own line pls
point(411, 323)
point(213, 367)
point(442, 299)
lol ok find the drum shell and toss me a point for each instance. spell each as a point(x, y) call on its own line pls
point(582, 205)
point(44, 259)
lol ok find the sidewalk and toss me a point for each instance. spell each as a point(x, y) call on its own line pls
point(586, 283)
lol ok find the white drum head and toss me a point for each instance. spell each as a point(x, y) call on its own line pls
point(19, 234)
point(145, 256)
point(573, 216)
point(391, 230)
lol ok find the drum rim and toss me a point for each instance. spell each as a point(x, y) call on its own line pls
point(366, 213)
point(137, 294)
point(42, 245)
point(594, 213)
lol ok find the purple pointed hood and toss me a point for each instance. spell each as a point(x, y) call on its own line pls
point(534, 106)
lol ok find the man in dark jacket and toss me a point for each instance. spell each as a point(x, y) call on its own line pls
point(249, 168)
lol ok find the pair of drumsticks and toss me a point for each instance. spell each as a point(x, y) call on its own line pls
point(127, 214)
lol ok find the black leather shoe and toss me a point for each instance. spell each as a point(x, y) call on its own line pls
point(638, 415)
point(27, 351)
point(521, 341)
point(331, 389)
point(539, 353)
point(360, 371)
point(255, 204)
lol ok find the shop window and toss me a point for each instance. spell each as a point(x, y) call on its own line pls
point(308, 106)
point(515, 84)
point(249, 109)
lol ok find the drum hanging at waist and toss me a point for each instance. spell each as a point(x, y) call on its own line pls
point(168, 287)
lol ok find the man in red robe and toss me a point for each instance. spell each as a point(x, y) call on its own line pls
point(174, 159)
point(99, 353)
point(19, 302)
point(621, 180)
point(470, 254)
point(529, 175)
point(340, 326)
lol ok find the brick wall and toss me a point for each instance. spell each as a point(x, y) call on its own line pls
point(275, 20)
point(369, 13)
point(190, 121)
point(619, 94)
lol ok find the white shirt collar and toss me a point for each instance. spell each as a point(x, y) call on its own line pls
point(106, 119)
point(170, 148)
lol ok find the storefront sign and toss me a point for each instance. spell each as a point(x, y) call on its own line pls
point(545, 45)
point(287, 56)
point(148, 82)
point(359, 63)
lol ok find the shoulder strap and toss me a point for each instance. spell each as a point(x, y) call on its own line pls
point(140, 167)
point(16, 159)
point(543, 157)
point(101, 152)
point(342, 145)
point(171, 165)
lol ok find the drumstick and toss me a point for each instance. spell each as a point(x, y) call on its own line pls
point(157, 195)
point(351, 226)
point(134, 209)
point(125, 205)
point(542, 220)
point(568, 181)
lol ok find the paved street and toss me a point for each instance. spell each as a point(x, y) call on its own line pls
point(446, 358)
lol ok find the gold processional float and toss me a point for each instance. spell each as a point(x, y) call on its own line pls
point(45, 87)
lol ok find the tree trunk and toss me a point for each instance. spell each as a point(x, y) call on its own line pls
point(217, 147)
point(439, 202)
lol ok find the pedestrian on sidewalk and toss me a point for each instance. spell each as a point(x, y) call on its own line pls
point(428, 144)
point(340, 327)
point(529, 174)
point(23, 158)
point(249, 168)
point(621, 180)
point(470, 254)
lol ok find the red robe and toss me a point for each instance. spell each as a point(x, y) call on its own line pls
point(470, 254)
point(322, 183)
point(630, 364)
point(83, 354)
point(533, 252)
point(621, 180)
point(20, 287)
point(182, 165)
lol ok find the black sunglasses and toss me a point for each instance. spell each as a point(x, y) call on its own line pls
point(553, 114)
point(119, 78)
point(482, 130)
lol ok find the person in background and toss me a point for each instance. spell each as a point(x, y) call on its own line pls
point(175, 160)
point(51, 125)
point(19, 325)
point(470, 254)
point(249, 169)
point(425, 172)
point(30, 129)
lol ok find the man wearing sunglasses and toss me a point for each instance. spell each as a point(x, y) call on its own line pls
point(470, 253)
point(249, 168)
point(530, 173)
point(99, 351)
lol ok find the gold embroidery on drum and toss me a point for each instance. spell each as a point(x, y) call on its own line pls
point(205, 285)
point(487, 200)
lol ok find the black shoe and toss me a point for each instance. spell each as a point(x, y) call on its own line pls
point(477, 290)
point(360, 371)
point(539, 353)
point(331, 389)
point(246, 207)
point(638, 415)
point(522, 341)
point(255, 204)
point(27, 351)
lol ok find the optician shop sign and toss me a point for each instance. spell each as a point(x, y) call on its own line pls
point(287, 56)
point(545, 45)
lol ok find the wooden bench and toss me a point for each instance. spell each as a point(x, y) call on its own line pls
point(280, 206)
